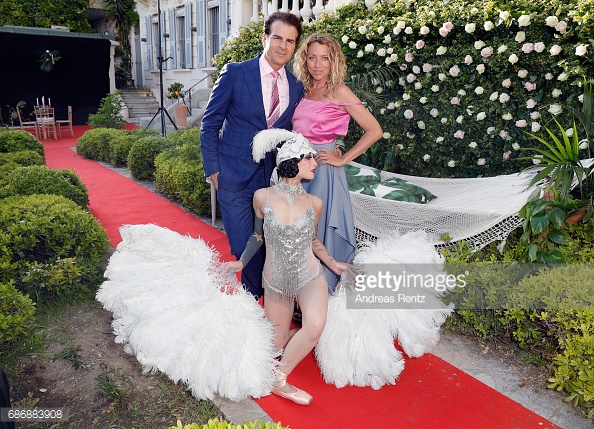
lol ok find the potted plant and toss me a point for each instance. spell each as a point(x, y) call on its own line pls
point(174, 92)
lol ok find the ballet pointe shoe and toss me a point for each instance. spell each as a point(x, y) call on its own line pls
point(298, 396)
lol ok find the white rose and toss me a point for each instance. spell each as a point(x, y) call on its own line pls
point(535, 160)
point(524, 21)
point(441, 76)
point(424, 30)
point(504, 15)
point(506, 83)
point(472, 145)
point(539, 47)
point(521, 123)
point(408, 30)
point(396, 30)
point(561, 27)
point(362, 29)
point(439, 139)
point(507, 117)
point(401, 24)
point(581, 50)
point(387, 39)
point(548, 76)
point(490, 130)
point(441, 50)
point(555, 50)
point(381, 52)
point(394, 57)
point(480, 68)
point(360, 54)
point(479, 44)
point(426, 157)
point(581, 98)
point(583, 144)
point(494, 96)
point(467, 59)
point(522, 73)
point(563, 77)
point(555, 109)
point(434, 112)
point(520, 36)
point(435, 88)
point(408, 114)
point(556, 93)
point(481, 161)
point(489, 25)
point(400, 146)
point(534, 127)
point(421, 125)
point(569, 132)
point(504, 98)
point(515, 146)
point(535, 115)
point(423, 100)
point(406, 96)
point(479, 90)
point(461, 92)
point(352, 45)
point(391, 106)
point(552, 20)
point(416, 70)
point(501, 49)
point(451, 163)
point(444, 120)
point(418, 85)
point(380, 29)
point(481, 116)
point(345, 39)
point(369, 47)
point(460, 119)
point(513, 58)
point(469, 28)
point(531, 104)
point(387, 135)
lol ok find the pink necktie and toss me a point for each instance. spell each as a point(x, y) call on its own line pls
point(274, 112)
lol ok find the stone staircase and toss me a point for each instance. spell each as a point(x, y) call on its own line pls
point(142, 107)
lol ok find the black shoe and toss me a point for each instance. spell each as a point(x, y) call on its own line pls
point(297, 315)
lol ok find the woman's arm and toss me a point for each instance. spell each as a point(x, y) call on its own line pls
point(363, 117)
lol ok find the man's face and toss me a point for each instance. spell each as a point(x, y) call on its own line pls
point(280, 44)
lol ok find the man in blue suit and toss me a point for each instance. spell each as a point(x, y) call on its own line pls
point(237, 110)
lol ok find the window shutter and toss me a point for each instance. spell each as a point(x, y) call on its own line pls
point(172, 38)
point(187, 62)
point(162, 36)
point(149, 41)
point(201, 32)
point(223, 15)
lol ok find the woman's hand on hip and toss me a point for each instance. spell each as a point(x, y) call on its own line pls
point(328, 157)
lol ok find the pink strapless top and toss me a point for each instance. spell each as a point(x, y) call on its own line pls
point(321, 121)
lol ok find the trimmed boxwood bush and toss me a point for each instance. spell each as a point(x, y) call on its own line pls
point(141, 159)
point(180, 173)
point(16, 313)
point(42, 180)
point(17, 140)
point(120, 146)
point(23, 158)
point(95, 144)
point(49, 245)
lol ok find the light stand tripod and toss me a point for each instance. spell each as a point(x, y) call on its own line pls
point(161, 110)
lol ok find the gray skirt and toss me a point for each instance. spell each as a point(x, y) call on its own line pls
point(336, 228)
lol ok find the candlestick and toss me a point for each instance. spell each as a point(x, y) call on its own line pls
point(37, 100)
point(49, 101)
point(43, 100)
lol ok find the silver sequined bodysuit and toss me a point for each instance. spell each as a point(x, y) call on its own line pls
point(290, 263)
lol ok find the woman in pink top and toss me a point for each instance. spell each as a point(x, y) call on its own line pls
point(323, 117)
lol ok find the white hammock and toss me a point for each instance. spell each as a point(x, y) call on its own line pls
point(478, 210)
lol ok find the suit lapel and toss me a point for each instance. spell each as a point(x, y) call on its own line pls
point(253, 84)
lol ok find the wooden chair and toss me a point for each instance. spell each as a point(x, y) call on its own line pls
point(27, 124)
point(68, 122)
point(46, 121)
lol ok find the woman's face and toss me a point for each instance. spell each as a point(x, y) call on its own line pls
point(307, 166)
point(318, 61)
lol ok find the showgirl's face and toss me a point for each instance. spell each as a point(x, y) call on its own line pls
point(307, 166)
point(318, 61)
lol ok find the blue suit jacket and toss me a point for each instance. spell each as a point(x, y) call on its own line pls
point(234, 115)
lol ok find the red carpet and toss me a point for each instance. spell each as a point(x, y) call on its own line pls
point(430, 393)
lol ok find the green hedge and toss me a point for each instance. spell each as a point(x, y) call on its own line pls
point(120, 146)
point(456, 104)
point(18, 140)
point(23, 158)
point(17, 313)
point(49, 246)
point(179, 172)
point(95, 144)
point(42, 180)
point(141, 158)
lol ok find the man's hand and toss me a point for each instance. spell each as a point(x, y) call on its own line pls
point(214, 178)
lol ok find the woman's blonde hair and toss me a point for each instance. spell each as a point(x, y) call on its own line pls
point(337, 62)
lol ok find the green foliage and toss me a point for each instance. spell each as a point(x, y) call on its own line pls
point(462, 112)
point(119, 147)
point(175, 91)
point(543, 232)
point(180, 174)
point(96, 143)
point(112, 382)
point(122, 14)
point(48, 244)
point(141, 158)
point(17, 140)
point(16, 313)
point(45, 13)
point(42, 180)
point(109, 114)
point(217, 424)
point(72, 354)
point(22, 158)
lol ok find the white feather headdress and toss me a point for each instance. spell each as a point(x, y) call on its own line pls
point(267, 140)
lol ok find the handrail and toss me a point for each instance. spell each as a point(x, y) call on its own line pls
point(190, 89)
